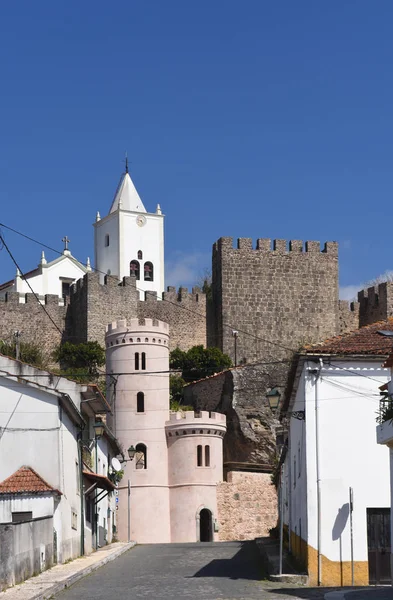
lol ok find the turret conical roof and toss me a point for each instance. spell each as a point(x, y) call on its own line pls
point(126, 197)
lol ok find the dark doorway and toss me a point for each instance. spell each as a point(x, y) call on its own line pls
point(378, 539)
point(205, 526)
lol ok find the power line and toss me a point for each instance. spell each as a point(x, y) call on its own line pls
point(33, 292)
point(204, 316)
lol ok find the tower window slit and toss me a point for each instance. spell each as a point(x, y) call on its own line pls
point(140, 402)
point(136, 361)
point(143, 361)
point(207, 456)
point(199, 456)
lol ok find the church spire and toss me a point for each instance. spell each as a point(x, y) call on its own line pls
point(126, 197)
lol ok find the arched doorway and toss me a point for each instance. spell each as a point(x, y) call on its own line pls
point(205, 525)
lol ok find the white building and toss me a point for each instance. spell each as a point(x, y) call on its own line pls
point(130, 241)
point(334, 386)
point(47, 436)
point(55, 277)
point(385, 437)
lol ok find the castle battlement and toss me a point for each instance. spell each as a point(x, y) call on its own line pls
point(14, 298)
point(190, 423)
point(203, 416)
point(276, 246)
point(136, 331)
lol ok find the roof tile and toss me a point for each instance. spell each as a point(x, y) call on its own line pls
point(365, 340)
point(25, 480)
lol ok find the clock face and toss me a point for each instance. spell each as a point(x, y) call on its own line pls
point(141, 220)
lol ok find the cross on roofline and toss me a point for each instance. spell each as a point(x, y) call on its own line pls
point(66, 242)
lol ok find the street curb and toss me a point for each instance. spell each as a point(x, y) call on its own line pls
point(58, 587)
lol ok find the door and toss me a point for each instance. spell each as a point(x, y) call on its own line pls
point(206, 526)
point(378, 539)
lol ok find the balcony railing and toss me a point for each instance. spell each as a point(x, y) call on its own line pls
point(385, 412)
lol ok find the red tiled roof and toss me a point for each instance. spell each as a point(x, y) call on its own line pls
point(25, 480)
point(365, 340)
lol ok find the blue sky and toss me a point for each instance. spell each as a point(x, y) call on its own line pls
point(244, 119)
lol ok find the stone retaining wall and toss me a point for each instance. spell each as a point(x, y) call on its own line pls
point(247, 506)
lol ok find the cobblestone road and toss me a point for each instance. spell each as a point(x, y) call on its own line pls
point(181, 571)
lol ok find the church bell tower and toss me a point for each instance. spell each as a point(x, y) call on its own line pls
point(130, 241)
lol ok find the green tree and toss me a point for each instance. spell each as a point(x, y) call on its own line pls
point(199, 362)
point(80, 361)
point(28, 352)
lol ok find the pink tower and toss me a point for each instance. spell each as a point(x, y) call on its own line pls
point(138, 355)
point(178, 460)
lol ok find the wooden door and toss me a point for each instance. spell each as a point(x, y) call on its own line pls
point(378, 538)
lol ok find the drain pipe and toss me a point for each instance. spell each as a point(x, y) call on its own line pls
point(317, 455)
point(317, 373)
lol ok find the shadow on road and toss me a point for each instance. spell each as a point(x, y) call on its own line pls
point(245, 564)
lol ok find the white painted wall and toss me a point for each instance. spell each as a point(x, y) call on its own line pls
point(40, 506)
point(49, 280)
point(349, 455)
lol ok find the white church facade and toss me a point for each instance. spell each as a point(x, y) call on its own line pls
point(54, 277)
point(127, 241)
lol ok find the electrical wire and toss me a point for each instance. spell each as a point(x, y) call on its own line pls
point(254, 336)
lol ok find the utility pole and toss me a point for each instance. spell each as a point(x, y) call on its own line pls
point(235, 334)
point(17, 335)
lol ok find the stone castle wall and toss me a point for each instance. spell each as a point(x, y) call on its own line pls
point(247, 506)
point(348, 316)
point(91, 306)
point(185, 312)
point(376, 303)
point(286, 295)
point(23, 313)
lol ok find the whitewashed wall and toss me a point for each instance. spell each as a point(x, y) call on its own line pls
point(349, 455)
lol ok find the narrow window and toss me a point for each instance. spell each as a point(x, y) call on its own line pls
point(65, 289)
point(140, 254)
point(199, 456)
point(136, 361)
point(141, 456)
point(143, 361)
point(140, 402)
point(135, 269)
point(106, 240)
point(19, 517)
point(148, 271)
point(298, 460)
point(207, 456)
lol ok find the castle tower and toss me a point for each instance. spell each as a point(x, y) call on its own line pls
point(195, 468)
point(130, 241)
point(141, 406)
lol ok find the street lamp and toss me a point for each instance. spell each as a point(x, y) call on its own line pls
point(273, 398)
point(99, 429)
point(235, 334)
point(131, 453)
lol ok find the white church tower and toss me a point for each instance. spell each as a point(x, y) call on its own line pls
point(129, 240)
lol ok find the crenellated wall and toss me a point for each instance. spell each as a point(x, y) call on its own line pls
point(284, 293)
point(22, 312)
point(184, 311)
point(376, 303)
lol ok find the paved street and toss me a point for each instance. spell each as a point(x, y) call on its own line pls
point(181, 571)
